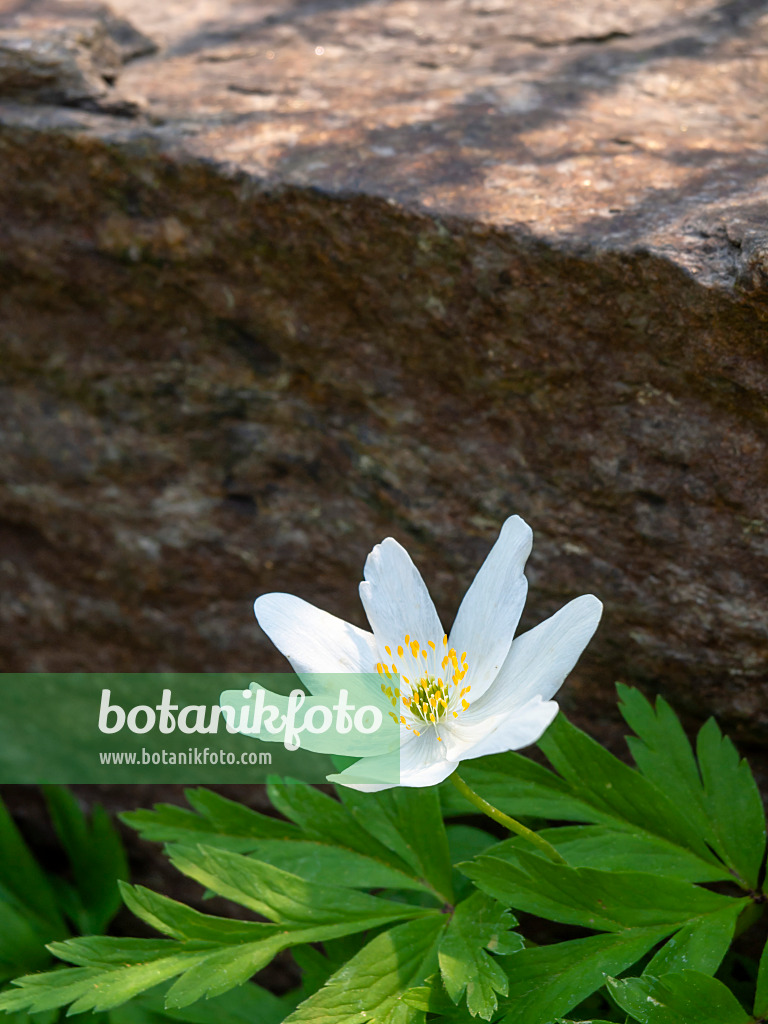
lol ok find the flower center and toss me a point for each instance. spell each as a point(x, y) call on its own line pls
point(432, 678)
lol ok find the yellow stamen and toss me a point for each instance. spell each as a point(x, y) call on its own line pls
point(399, 652)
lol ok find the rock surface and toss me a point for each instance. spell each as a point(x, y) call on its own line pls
point(310, 273)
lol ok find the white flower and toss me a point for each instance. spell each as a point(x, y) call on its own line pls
point(473, 692)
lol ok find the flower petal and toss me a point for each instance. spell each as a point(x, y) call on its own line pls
point(396, 599)
point(491, 609)
point(517, 729)
point(421, 761)
point(539, 660)
point(314, 640)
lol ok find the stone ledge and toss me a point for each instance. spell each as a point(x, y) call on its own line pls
point(267, 318)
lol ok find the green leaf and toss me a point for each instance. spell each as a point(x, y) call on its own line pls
point(761, 995)
point(318, 862)
point(110, 952)
point(110, 971)
point(215, 821)
point(682, 998)
point(97, 986)
point(733, 803)
point(598, 778)
point(522, 788)
point(466, 842)
point(593, 787)
point(312, 854)
point(370, 987)
point(478, 924)
point(616, 850)
point(120, 985)
point(700, 945)
point(410, 822)
point(603, 900)
point(24, 884)
point(663, 754)
point(283, 897)
point(40, 992)
point(326, 820)
point(96, 856)
point(182, 922)
point(244, 1005)
point(718, 796)
point(547, 981)
point(432, 998)
point(22, 948)
point(220, 972)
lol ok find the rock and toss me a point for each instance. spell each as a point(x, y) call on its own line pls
point(394, 267)
point(69, 54)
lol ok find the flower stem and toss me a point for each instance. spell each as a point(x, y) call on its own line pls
point(505, 820)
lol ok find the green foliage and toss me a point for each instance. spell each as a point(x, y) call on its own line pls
point(36, 908)
point(478, 924)
point(717, 797)
point(547, 981)
point(678, 999)
point(394, 918)
point(372, 984)
point(761, 995)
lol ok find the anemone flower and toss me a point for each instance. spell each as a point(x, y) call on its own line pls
point(474, 691)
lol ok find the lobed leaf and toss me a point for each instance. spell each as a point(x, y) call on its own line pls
point(408, 821)
point(700, 945)
point(602, 900)
point(598, 778)
point(733, 804)
point(478, 924)
point(214, 820)
point(371, 986)
point(717, 794)
point(547, 981)
point(680, 998)
point(618, 850)
point(285, 898)
point(96, 857)
point(23, 883)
